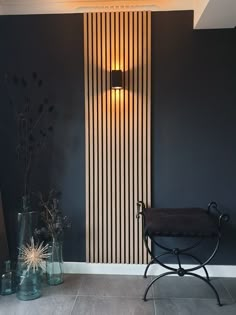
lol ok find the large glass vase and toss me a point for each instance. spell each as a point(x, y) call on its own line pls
point(27, 223)
point(28, 281)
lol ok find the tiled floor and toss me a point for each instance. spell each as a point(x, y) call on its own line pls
point(122, 295)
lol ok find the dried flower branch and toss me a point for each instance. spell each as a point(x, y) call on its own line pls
point(33, 123)
point(55, 222)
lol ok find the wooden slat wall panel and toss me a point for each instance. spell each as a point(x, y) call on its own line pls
point(118, 134)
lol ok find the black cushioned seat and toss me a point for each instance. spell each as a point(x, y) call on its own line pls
point(190, 222)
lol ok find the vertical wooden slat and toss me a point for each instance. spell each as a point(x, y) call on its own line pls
point(131, 164)
point(127, 160)
point(118, 134)
point(104, 139)
point(118, 158)
point(95, 124)
point(139, 131)
point(122, 146)
point(100, 172)
point(149, 107)
point(113, 135)
point(149, 116)
point(144, 96)
point(109, 156)
point(135, 133)
point(91, 158)
point(87, 175)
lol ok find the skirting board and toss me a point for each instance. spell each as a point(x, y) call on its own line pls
point(132, 269)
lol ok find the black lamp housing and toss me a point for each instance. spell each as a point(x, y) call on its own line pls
point(116, 79)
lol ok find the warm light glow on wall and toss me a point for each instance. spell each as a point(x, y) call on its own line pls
point(115, 97)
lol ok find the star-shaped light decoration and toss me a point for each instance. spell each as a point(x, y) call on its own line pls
point(33, 255)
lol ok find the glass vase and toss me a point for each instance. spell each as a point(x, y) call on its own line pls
point(29, 283)
point(8, 280)
point(54, 264)
point(27, 223)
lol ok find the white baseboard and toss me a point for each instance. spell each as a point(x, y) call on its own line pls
point(130, 269)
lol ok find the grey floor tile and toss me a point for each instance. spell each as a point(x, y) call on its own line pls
point(53, 305)
point(70, 286)
point(95, 305)
point(188, 287)
point(230, 285)
point(193, 307)
point(119, 286)
point(122, 295)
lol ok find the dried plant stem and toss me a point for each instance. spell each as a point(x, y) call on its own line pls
point(27, 174)
point(48, 212)
point(37, 121)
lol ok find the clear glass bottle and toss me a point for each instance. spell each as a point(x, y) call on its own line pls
point(54, 263)
point(8, 284)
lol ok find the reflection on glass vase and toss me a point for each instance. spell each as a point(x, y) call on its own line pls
point(29, 283)
point(55, 263)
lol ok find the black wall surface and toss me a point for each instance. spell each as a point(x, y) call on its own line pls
point(193, 117)
point(53, 46)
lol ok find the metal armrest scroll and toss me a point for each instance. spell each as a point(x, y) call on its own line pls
point(222, 217)
point(141, 206)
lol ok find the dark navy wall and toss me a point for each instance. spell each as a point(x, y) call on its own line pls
point(194, 118)
point(52, 45)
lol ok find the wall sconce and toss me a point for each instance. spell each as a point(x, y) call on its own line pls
point(116, 79)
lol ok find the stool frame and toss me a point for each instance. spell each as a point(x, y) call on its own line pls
point(177, 252)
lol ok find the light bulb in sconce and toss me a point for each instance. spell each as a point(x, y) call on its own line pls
point(116, 79)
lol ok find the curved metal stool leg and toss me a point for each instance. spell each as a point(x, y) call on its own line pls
point(200, 262)
point(154, 280)
point(206, 281)
point(146, 270)
point(153, 261)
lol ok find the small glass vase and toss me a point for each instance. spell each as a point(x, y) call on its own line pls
point(29, 283)
point(8, 281)
point(54, 264)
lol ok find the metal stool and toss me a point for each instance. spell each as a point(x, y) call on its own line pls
point(181, 222)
